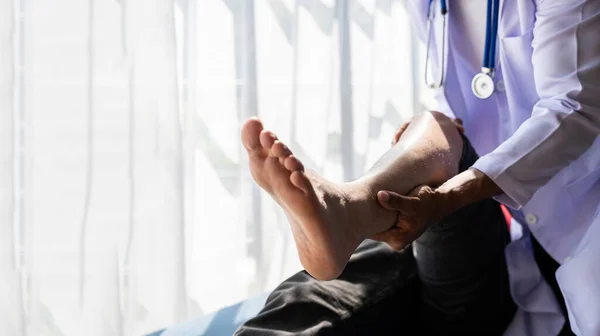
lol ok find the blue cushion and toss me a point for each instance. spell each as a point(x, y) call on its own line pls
point(223, 322)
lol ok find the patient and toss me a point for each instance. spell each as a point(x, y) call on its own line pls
point(451, 280)
point(330, 220)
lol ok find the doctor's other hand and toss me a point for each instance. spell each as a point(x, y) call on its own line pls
point(424, 206)
point(418, 210)
point(457, 121)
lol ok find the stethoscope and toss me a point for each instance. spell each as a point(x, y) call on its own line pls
point(483, 82)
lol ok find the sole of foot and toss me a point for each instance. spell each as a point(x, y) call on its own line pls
point(314, 207)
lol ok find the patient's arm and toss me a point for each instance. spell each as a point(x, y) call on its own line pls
point(330, 220)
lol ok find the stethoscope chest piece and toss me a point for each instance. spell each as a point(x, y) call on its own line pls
point(482, 85)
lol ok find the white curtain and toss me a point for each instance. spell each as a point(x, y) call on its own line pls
point(126, 204)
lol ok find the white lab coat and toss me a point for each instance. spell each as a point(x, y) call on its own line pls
point(538, 137)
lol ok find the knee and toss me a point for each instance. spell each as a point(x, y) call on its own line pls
point(439, 116)
point(445, 124)
point(441, 119)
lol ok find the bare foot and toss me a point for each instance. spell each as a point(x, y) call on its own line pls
point(330, 220)
point(316, 208)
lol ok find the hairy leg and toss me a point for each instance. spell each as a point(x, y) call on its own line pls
point(329, 220)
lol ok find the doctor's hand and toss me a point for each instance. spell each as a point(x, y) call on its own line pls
point(418, 210)
point(424, 205)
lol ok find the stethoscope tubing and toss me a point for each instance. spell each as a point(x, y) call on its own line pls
point(489, 56)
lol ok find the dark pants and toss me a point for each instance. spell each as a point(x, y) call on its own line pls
point(452, 280)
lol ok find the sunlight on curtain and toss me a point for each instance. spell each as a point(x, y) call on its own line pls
point(126, 204)
point(11, 303)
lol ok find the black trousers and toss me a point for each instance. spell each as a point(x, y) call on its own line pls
point(451, 281)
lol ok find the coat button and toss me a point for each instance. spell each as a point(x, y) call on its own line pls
point(531, 219)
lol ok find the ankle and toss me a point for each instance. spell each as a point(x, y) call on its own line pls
point(366, 216)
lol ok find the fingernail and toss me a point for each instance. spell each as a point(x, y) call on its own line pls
point(384, 196)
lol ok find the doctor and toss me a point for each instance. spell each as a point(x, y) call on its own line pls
point(524, 76)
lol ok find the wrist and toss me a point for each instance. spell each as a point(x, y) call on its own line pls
point(451, 200)
point(467, 187)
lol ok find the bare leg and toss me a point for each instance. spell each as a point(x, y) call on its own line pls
point(329, 220)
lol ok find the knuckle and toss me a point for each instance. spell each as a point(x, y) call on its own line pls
point(394, 239)
point(394, 243)
point(398, 245)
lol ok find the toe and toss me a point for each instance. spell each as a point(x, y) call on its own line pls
point(267, 139)
point(280, 150)
point(300, 180)
point(293, 164)
point(251, 131)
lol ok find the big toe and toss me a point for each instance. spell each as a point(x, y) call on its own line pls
point(251, 134)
